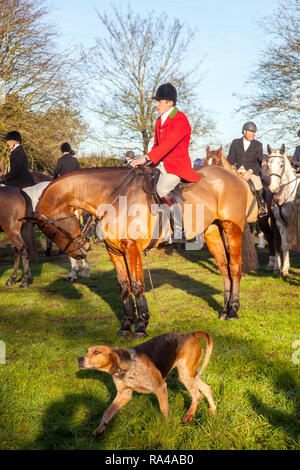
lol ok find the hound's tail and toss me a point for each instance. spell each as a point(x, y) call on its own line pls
point(208, 350)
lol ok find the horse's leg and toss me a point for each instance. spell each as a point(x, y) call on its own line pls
point(285, 250)
point(21, 248)
point(267, 229)
point(135, 270)
point(128, 303)
point(234, 238)
point(278, 224)
point(13, 278)
point(216, 247)
point(26, 269)
point(72, 276)
point(85, 268)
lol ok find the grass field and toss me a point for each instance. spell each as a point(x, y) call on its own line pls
point(48, 403)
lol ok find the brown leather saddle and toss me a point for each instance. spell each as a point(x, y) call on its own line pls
point(150, 180)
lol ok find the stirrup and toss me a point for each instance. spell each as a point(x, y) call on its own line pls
point(262, 213)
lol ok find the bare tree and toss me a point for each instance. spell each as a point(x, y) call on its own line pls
point(39, 100)
point(128, 64)
point(277, 76)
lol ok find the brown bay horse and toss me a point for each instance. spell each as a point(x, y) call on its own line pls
point(222, 195)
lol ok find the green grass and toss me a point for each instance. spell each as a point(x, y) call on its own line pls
point(48, 403)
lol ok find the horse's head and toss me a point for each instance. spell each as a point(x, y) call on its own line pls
point(64, 231)
point(213, 157)
point(276, 165)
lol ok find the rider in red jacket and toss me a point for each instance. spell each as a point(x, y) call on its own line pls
point(170, 153)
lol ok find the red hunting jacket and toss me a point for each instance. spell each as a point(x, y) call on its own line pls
point(171, 144)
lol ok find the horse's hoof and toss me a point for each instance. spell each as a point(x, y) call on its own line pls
point(10, 282)
point(232, 317)
point(71, 279)
point(125, 333)
point(140, 334)
point(223, 316)
point(24, 285)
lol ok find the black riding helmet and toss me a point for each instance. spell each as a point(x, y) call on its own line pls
point(166, 92)
point(13, 135)
point(249, 126)
point(66, 147)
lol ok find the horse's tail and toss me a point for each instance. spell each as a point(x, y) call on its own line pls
point(249, 252)
point(208, 350)
point(27, 231)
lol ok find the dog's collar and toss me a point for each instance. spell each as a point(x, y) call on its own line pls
point(120, 374)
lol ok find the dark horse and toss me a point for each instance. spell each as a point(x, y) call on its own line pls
point(223, 196)
point(15, 204)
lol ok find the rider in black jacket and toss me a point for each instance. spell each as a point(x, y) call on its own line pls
point(246, 154)
point(18, 174)
point(296, 156)
point(67, 162)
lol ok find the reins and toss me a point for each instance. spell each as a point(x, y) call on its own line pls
point(99, 219)
point(67, 234)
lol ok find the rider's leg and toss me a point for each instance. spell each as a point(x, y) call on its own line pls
point(262, 212)
point(165, 185)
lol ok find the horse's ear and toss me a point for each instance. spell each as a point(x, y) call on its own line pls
point(30, 220)
point(269, 150)
point(220, 150)
point(282, 150)
point(207, 149)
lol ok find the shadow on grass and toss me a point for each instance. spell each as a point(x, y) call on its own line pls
point(288, 422)
point(106, 287)
point(60, 428)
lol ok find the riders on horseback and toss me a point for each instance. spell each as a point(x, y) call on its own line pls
point(246, 154)
point(296, 156)
point(67, 162)
point(18, 174)
point(170, 154)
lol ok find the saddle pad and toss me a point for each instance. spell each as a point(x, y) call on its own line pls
point(34, 192)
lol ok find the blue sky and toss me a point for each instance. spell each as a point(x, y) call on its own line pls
point(228, 36)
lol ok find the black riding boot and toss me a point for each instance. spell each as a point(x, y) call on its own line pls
point(129, 317)
point(176, 221)
point(262, 212)
point(143, 317)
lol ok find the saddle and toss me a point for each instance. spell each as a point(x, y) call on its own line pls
point(150, 180)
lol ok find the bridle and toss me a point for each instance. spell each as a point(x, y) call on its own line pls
point(280, 176)
point(65, 232)
point(276, 174)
